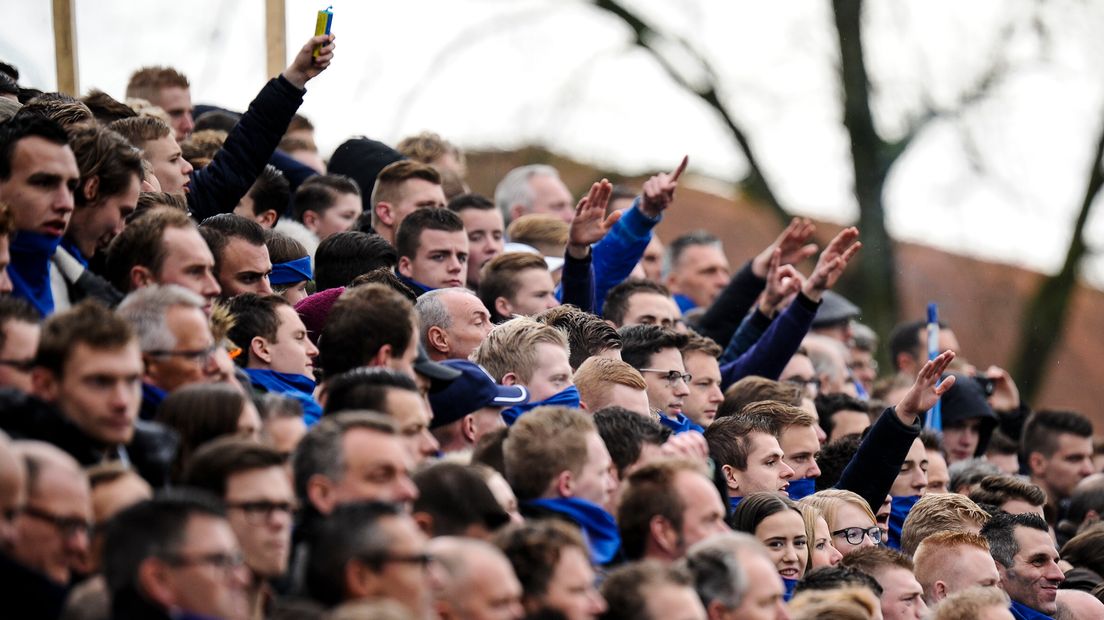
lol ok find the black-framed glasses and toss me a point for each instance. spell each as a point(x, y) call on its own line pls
point(261, 511)
point(854, 535)
point(20, 365)
point(811, 385)
point(195, 355)
point(671, 376)
point(379, 559)
point(223, 561)
point(66, 526)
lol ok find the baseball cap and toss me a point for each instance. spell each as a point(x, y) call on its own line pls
point(474, 389)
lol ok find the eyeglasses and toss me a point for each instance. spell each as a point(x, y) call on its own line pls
point(66, 526)
point(809, 385)
point(20, 365)
point(226, 562)
point(261, 511)
point(854, 535)
point(671, 376)
point(195, 355)
point(379, 559)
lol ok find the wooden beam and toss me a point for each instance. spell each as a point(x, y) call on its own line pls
point(65, 47)
point(275, 37)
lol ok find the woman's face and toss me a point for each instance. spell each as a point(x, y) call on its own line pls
point(852, 520)
point(823, 553)
point(783, 533)
point(249, 423)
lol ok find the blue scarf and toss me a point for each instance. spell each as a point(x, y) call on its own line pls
point(599, 527)
point(418, 287)
point(685, 304)
point(30, 268)
point(70, 246)
point(801, 488)
point(733, 502)
point(681, 424)
point(567, 397)
point(1023, 612)
point(899, 508)
point(291, 272)
point(299, 387)
point(790, 585)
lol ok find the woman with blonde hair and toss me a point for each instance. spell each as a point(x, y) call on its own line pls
point(819, 537)
point(851, 523)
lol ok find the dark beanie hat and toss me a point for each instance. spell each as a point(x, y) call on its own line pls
point(361, 159)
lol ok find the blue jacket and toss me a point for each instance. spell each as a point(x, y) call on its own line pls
point(218, 187)
point(770, 355)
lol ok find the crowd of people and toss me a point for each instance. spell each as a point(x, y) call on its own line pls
point(240, 380)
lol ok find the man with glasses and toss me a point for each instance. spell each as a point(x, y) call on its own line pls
point(369, 551)
point(175, 338)
point(252, 481)
point(19, 331)
point(657, 353)
point(175, 556)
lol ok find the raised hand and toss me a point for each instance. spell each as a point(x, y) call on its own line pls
point(927, 389)
point(782, 281)
point(1005, 396)
point(305, 66)
point(691, 445)
point(794, 243)
point(833, 260)
point(591, 222)
point(659, 191)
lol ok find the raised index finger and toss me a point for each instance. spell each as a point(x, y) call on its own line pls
point(682, 166)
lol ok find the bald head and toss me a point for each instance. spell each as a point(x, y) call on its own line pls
point(478, 581)
point(13, 491)
point(1078, 605)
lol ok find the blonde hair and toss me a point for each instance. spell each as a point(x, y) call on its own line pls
point(547, 233)
point(595, 376)
point(810, 514)
point(541, 445)
point(969, 603)
point(829, 501)
point(943, 512)
point(850, 603)
point(512, 348)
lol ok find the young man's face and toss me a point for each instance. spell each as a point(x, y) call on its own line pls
point(647, 308)
point(938, 476)
point(913, 477)
point(100, 390)
point(1034, 576)
point(169, 166)
point(800, 446)
point(413, 194)
point(702, 271)
point(703, 513)
point(260, 505)
point(1069, 464)
point(902, 596)
point(96, 224)
point(40, 188)
point(595, 483)
point(292, 351)
point(552, 374)
point(848, 422)
point(337, 219)
point(665, 395)
point(961, 440)
point(20, 344)
point(177, 103)
point(441, 260)
point(533, 294)
point(765, 469)
point(244, 268)
point(188, 263)
point(485, 230)
point(705, 394)
point(413, 417)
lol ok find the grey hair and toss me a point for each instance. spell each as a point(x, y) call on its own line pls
point(432, 311)
point(865, 338)
point(514, 188)
point(455, 555)
point(970, 472)
point(674, 251)
point(1000, 533)
point(716, 569)
point(320, 453)
point(145, 310)
point(824, 363)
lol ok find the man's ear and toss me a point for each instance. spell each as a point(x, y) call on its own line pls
point(404, 267)
point(939, 590)
point(731, 477)
point(437, 339)
point(467, 428)
point(310, 220)
point(45, 384)
point(384, 213)
point(140, 276)
point(360, 580)
point(516, 211)
point(510, 379)
point(503, 307)
point(565, 484)
point(321, 494)
point(91, 188)
point(267, 219)
point(258, 349)
point(664, 535)
point(425, 523)
point(154, 582)
point(382, 357)
point(1036, 463)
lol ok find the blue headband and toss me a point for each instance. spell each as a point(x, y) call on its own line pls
point(292, 271)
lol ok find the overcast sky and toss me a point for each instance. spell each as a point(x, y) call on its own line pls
point(1001, 181)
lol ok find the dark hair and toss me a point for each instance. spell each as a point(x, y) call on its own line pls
point(353, 532)
point(254, 315)
point(320, 192)
point(346, 255)
point(835, 577)
point(625, 589)
point(15, 309)
point(8, 84)
point(649, 492)
point(833, 459)
point(151, 528)
point(690, 239)
point(534, 550)
point(270, 192)
point(932, 440)
point(997, 490)
point(1000, 443)
point(625, 432)
point(387, 278)
point(500, 278)
point(751, 511)
point(409, 236)
point(63, 109)
point(1042, 429)
point(234, 226)
point(729, 438)
point(1084, 550)
point(218, 120)
point(107, 156)
point(828, 405)
point(199, 413)
point(140, 244)
point(105, 108)
point(754, 389)
point(470, 201)
point(587, 335)
point(361, 321)
point(87, 323)
point(999, 531)
point(17, 129)
point(640, 342)
point(364, 388)
point(906, 338)
point(457, 498)
point(283, 248)
point(213, 463)
point(488, 450)
point(617, 299)
point(321, 451)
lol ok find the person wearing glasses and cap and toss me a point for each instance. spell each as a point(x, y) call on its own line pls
point(470, 406)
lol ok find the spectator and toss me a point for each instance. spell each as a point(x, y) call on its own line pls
point(949, 562)
point(433, 250)
point(266, 199)
point(477, 581)
point(778, 524)
point(1009, 494)
point(1057, 448)
point(938, 475)
point(604, 382)
point(516, 283)
point(400, 189)
point(587, 335)
point(453, 500)
point(819, 539)
point(291, 267)
point(974, 603)
point(551, 561)
point(201, 413)
point(345, 255)
point(798, 441)
point(484, 227)
point(657, 353)
point(534, 356)
point(747, 451)
point(948, 512)
point(902, 596)
point(850, 520)
point(641, 302)
point(19, 334)
point(841, 415)
point(699, 356)
point(650, 591)
point(1027, 562)
point(369, 326)
point(328, 204)
point(695, 270)
point(453, 322)
point(242, 264)
point(470, 407)
point(735, 578)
